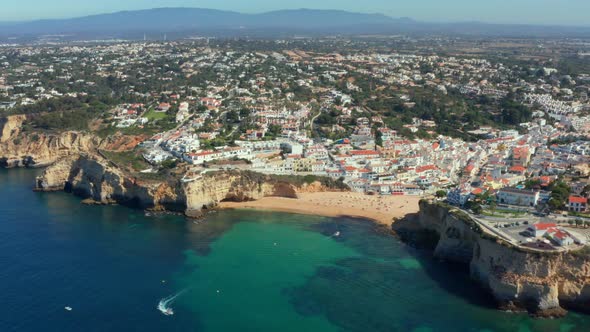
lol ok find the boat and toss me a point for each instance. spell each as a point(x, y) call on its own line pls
point(163, 309)
point(165, 304)
point(68, 308)
point(337, 234)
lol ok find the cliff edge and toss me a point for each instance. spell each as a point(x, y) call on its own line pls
point(19, 148)
point(96, 179)
point(543, 283)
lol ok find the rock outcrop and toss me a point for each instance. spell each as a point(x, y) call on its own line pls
point(23, 149)
point(93, 177)
point(541, 282)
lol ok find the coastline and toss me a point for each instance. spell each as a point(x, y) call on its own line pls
point(380, 209)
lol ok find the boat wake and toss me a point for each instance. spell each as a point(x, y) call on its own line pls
point(165, 304)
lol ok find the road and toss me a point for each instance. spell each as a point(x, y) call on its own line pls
point(312, 127)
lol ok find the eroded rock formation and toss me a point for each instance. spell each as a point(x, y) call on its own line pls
point(18, 148)
point(541, 282)
point(93, 177)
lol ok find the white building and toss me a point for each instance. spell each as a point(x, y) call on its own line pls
point(519, 197)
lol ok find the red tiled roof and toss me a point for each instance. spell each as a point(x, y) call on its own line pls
point(558, 233)
point(477, 191)
point(363, 153)
point(544, 226)
point(425, 168)
point(578, 199)
point(520, 169)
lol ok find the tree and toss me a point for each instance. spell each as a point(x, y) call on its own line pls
point(554, 204)
point(530, 184)
point(378, 138)
point(232, 116)
point(244, 112)
point(477, 209)
point(560, 192)
point(274, 130)
point(441, 194)
point(169, 163)
point(514, 112)
point(493, 205)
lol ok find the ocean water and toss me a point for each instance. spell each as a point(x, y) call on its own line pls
point(235, 271)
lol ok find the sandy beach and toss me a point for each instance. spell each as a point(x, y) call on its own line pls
point(381, 209)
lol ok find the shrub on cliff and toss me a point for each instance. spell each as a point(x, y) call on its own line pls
point(295, 180)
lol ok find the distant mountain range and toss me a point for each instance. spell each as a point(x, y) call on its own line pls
point(183, 22)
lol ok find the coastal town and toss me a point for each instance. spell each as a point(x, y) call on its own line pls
point(501, 141)
point(381, 166)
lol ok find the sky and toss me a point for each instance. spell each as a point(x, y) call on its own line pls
point(548, 12)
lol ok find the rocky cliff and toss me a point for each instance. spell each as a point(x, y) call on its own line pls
point(92, 177)
point(18, 148)
point(542, 283)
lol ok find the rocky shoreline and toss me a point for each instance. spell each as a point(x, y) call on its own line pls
point(94, 179)
point(543, 284)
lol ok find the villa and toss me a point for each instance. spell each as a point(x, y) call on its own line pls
point(578, 204)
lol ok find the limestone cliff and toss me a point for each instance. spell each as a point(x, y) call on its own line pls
point(18, 148)
point(542, 283)
point(93, 177)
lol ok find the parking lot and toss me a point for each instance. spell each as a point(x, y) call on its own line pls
point(514, 230)
point(511, 228)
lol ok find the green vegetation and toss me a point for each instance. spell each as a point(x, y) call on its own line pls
point(295, 180)
point(153, 115)
point(309, 179)
point(441, 194)
point(65, 120)
point(210, 144)
point(503, 213)
point(514, 112)
point(169, 163)
point(579, 214)
point(560, 192)
point(129, 160)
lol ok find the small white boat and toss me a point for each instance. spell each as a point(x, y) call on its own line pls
point(337, 234)
point(165, 304)
point(165, 310)
point(68, 308)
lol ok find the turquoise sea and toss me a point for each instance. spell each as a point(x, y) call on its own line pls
point(234, 271)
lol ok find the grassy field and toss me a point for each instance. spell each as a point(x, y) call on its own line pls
point(153, 115)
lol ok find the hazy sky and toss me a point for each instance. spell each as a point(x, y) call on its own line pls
point(569, 12)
